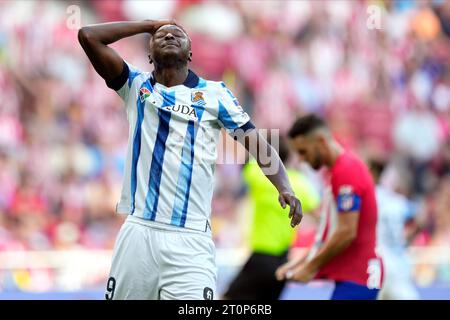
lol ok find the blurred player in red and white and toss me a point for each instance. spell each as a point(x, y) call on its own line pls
point(344, 251)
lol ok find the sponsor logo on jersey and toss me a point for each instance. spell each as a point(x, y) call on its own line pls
point(144, 93)
point(183, 109)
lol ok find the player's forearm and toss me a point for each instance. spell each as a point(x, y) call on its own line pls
point(339, 241)
point(111, 32)
point(272, 166)
point(279, 179)
point(269, 161)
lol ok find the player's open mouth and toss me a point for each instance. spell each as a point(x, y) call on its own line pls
point(170, 44)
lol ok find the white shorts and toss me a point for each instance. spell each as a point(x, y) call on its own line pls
point(154, 261)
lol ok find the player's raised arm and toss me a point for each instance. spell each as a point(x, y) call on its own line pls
point(95, 40)
point(272, 166)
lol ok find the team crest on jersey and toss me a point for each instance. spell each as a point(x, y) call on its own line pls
point(197, 98)
point(144, 93)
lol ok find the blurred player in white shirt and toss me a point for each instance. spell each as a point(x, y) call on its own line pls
point(394, 212)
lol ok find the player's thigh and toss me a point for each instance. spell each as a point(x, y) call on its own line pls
point(134, 272)
point(196, 284)
point(189, 271)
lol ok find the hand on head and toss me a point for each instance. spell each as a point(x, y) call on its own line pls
point(160, 23)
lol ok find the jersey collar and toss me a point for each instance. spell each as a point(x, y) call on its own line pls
point(191, 80)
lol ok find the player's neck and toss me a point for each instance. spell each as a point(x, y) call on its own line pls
point(335, 150)
point(170, 77)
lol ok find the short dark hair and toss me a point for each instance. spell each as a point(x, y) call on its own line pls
point(305, 125)
point(377, 167)
point(283, 149)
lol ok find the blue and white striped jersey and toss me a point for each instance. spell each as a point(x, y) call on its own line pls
point(171, 155)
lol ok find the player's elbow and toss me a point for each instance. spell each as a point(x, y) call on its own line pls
point(84, 36)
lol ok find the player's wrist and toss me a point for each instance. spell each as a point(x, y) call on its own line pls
point(286, 190)
point(150, 26)
point(153, 25)
point(313, 265)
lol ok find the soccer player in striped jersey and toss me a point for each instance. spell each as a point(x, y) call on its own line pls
point(164, 249)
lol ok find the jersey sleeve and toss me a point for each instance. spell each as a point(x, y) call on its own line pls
point(123, 84)
point(231, 116)
point(346, 190)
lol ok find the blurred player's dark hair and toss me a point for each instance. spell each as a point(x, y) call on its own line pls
point(283, 148)
point(283, 151)
point(376, 166)
point(306, 124)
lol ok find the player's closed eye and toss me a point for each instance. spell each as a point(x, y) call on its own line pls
point(175, 34)
point(178, 35)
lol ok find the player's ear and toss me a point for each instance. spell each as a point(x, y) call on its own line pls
point(321, 139)
point(190, 56)
point(150, 59)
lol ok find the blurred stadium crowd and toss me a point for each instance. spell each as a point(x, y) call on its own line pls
point(63, 133)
